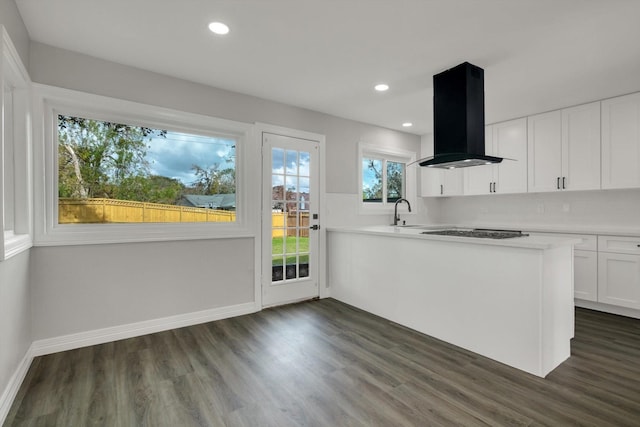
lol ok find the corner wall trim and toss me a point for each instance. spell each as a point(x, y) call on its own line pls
point(10, 392)
point(115, 333)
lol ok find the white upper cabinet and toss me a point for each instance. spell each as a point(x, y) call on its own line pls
point(510, 142)
point(581, 147)
point(479, 179)
point(545, 151)
point(621, 142)
point(437, 182)
point(507, 140)
point(564, 149)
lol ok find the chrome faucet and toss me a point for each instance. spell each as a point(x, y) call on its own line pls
point(396, 217)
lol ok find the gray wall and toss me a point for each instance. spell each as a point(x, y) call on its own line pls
point(12, 21)
point(82, 288)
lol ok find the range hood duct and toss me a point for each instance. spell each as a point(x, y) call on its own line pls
point(458, 119)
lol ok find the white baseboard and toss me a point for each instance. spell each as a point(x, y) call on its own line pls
point(608, 308)
point(115, 333)
point(10, 392)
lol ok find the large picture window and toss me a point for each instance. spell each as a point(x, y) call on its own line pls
point(119, 171)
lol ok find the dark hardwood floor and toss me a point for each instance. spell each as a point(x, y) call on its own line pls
point(324, 363)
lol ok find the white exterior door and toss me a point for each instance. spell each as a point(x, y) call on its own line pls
point(290, 205)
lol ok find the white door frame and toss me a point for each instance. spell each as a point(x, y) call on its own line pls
point(261, 128)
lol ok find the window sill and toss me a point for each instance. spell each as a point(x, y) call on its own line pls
point(15, 244)
point(94, 234)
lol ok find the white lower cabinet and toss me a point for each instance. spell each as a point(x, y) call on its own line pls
point(585, 275)
point(585, 265)
point(619, 271)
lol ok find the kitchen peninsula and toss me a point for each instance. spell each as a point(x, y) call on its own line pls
point(507, 299)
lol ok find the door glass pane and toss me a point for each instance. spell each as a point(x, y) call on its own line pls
point(277, 160)
point(277, 269)
point(277, 187)
point(304, 164)
point(292, 187)
point(371, 180)
point(292, 162)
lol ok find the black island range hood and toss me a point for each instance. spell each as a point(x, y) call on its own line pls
point(458, 119)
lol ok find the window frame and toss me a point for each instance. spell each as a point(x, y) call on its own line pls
point(19, 236)
point(366, 150)
point(53, 101)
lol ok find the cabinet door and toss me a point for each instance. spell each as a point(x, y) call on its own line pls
point(430, 178)
point(621, 142)
point(619, 279)
point(479, 179)
point(436, 182)
point(432, 184)
point(510, 142)
point(581, 147)
point(585, 275)
point(544, 151)
point(452, 182)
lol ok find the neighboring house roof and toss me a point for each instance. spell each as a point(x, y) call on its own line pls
point(215, 201)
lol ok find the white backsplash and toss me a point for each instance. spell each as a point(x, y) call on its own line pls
point(342, 210)
point(605, 209)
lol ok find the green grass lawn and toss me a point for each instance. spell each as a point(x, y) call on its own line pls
point(277, 244)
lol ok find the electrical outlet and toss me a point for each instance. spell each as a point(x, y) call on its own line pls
point(540, 208)
point(566, 207)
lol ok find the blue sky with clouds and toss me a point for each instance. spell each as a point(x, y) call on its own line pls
point(175, 155)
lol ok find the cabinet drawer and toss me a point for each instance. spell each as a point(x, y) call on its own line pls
point(618, 244)
point(589, 241)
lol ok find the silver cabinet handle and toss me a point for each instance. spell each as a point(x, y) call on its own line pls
point(564, 178)
point(441, 189)
point(490, 190)
point(558, 183)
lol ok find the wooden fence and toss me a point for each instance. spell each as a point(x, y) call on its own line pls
point(92, 211)
point(100, 211)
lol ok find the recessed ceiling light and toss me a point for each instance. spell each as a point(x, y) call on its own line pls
point(381, 87)
point(219, 28)
point(407, 124)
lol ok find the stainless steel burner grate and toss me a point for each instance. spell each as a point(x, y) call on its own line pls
point(483, 233)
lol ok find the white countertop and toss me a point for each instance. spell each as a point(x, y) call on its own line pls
point(415, 232)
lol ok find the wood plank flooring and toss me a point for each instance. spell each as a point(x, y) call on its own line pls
point(324, 363)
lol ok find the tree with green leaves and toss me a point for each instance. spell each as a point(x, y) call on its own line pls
point(214, 180)
point(395, 180)
point(103, 159)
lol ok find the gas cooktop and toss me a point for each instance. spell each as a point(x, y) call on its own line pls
point(483, 233)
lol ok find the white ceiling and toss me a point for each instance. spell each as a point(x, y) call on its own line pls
point(326, 55)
